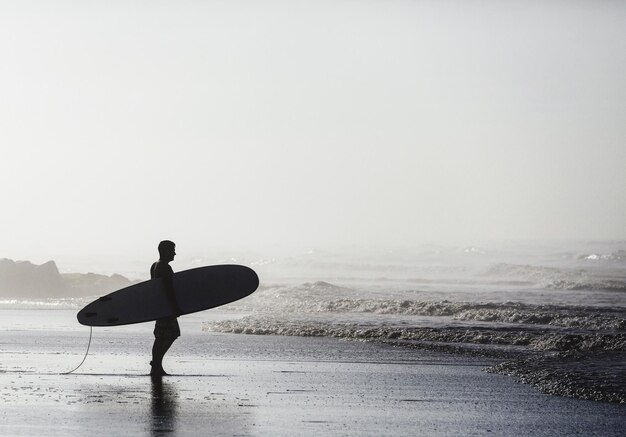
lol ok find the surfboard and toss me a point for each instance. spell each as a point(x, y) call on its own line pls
point(195, 289)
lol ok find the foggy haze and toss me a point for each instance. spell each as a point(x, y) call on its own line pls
point(253, 125)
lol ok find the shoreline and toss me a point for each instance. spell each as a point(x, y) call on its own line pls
point(233, 384)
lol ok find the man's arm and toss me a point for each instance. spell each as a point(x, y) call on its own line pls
point(168, 283)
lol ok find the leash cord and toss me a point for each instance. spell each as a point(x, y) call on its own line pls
point(86, 353)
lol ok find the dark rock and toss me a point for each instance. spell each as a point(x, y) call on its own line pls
point(23, 279)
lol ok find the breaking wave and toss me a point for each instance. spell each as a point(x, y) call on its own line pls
point(568, 284)
point(65, 303)
point(555, 278)
point(538, 339)
point(322, 297)
point(619, 256)
point(589, 318)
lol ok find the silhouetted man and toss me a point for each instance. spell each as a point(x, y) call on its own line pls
point(166, 330)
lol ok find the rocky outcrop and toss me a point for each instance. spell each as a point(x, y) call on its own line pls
point(86, 284)
point(23, 279)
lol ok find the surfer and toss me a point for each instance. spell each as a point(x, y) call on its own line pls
point(166, 330)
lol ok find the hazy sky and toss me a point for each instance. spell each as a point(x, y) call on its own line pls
point(313, 123)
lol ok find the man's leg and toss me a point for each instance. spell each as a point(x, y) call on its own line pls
point(159, 348)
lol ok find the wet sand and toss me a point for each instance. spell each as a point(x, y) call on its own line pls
point(228, 384)
point(266, 385)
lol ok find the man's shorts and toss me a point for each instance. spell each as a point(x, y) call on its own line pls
point(167, 328)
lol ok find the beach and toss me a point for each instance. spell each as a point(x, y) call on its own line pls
point(233, 384)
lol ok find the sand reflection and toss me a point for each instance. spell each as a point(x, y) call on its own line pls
point(164, 407)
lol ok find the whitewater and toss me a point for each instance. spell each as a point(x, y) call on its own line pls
point(555, 315)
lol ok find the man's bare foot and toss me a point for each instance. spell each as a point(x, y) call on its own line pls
point(157, 371)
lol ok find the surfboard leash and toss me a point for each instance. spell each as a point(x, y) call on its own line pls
point(86, 353)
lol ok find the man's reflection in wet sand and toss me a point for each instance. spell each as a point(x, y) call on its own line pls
point(163, 407)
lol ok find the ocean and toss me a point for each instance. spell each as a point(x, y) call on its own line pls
point(550, 315)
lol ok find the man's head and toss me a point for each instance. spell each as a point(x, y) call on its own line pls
point(167, 250)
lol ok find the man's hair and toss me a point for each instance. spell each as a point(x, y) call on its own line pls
point(165, 245)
